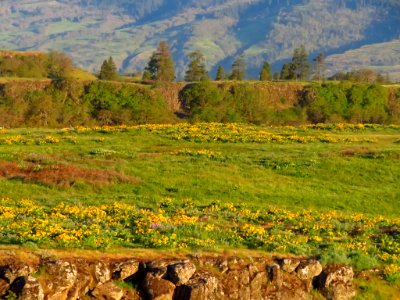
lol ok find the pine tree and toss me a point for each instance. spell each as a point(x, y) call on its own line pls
point(286, 72)
point(197, 69)
point(266, 72)
point(161, 66)
point(108, 70)
point(152, 67)
point(319, 66)
point(300, 65)
point(146, 75)
point(220, 74)
point(238, 69)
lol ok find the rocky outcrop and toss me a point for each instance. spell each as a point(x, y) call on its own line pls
point(336, 283)
point(191, 278)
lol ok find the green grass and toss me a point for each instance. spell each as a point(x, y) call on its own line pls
point(291, 175)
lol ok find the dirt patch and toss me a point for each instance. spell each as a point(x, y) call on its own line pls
point(62, 175)
point(365, 152)
point(356, 151)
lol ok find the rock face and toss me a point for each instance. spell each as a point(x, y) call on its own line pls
point(197, 277)
point(27, 288)
point(336, 283)
point(180, 273)
point(201, 286)
point(108, 291)
point(157, 288)
point(61, 278)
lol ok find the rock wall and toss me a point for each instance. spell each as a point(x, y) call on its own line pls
point(191, 277)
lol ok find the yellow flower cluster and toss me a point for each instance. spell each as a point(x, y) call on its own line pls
point(184, 225)
point(19, 140)
point(243, 133)
point(199, 153)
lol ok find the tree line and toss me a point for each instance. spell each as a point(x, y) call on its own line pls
point(70, 102)
point(53, 65)
point(161, 68)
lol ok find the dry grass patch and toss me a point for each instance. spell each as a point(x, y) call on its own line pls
point(61, 175)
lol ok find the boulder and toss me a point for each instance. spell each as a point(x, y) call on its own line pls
point(61, 277)
point(4, 285)
point(202, 286)
point(108, 291)
point(336, 283)
point(235, 284)
point(157, 268)
point(84, 281)
point(180, 273)
point(125, 269)
point(275, 275)
point(27, 288)
point(157, 288)
point(10, 272)
point(289, 264)
point(101, 272)
point(308, 269)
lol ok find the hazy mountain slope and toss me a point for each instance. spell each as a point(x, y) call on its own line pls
point(129, 30)
point(383, 57)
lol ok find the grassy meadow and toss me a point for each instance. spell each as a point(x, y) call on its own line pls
point(326, 190)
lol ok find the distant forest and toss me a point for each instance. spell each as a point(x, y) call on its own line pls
point(276, 99)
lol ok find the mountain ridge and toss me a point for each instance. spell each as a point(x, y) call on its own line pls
point(91, 30)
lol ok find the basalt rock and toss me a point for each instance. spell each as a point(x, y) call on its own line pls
point(307, 270)
point(17, 269)
point(61, 276)
point(336, 283)
point(216, 277)
point(203, 286)
point(108, 291)
point(157, 288)
point(288, 264)
point(123, 270)
point(180, 273)
point(27, 288)
point(101, 272)
point(4, 286)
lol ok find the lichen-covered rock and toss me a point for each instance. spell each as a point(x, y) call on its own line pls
point(27, 288)
point(275, 275)
point(180, 273)
point(236, 284)
point(108, 291)
point(336, 283)
point(83, 283)
point(202, 286)
point(4, 285)
point(101, 272)
point(289, 264)
point(61, 277)
point(308, 269)
point(157, 268)
point(10, 272)
point(157, 288)
point(125, 269)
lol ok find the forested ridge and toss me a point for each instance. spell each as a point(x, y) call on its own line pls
point(92, 30)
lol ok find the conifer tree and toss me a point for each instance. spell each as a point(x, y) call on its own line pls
point(286, 72)
point(300, 65)
point(238, 69)
point(197, 69)
point(319, 66)
point(161, 66)
point(108, 70)
point(266, 72)
point(221, 75)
